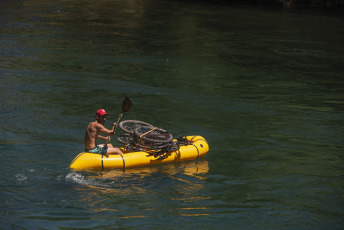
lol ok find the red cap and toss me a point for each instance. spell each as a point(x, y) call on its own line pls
point(101, 112)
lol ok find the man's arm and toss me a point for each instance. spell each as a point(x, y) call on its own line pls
point(102, 137)
point(106, 131)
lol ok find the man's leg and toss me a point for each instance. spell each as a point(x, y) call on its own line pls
point(113, 151)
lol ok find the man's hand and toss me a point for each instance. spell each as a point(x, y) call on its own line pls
point(108, 139)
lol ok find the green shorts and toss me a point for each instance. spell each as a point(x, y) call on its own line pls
point(98, 149)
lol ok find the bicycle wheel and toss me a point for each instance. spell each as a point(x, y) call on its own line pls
point(135, 142)
point(125, 139)
point(154, 135)
point(129, 126)
point(131, 142)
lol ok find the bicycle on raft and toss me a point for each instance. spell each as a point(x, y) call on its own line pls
point(142, 136)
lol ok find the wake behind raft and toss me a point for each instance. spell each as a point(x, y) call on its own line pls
point(144, 145)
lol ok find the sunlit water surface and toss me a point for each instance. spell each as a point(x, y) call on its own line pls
point(263, 86)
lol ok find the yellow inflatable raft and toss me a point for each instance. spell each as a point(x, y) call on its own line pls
point(197, 148)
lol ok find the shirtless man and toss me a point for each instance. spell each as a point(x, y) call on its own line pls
point(93, 131)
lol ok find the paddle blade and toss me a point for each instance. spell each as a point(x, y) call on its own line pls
point(126, 105)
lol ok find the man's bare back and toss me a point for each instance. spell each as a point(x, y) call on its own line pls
point(90, 135)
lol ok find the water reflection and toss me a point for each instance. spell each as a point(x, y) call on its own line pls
point(191, 168)
point(107, 178)
point(153, 187)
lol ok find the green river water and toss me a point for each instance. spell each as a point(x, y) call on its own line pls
point(264, 86)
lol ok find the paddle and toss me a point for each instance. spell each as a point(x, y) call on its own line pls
point(126, 105)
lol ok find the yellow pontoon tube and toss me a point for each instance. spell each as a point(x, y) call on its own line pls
point(197, 148)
